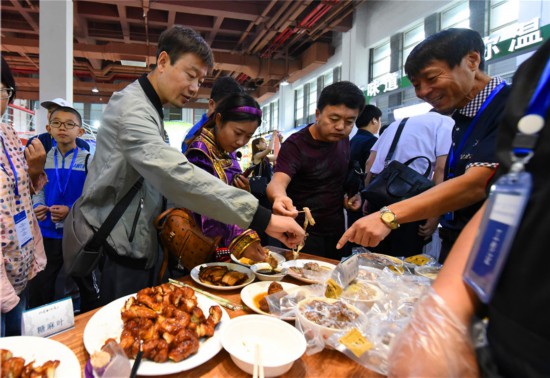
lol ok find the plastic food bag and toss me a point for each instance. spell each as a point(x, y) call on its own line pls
point(434, 343)
point(110, 362)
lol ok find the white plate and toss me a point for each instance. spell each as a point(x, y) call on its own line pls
point(249, 292)
point(300, 264)
point(106, 323)
point(40, 350)
point(280, 258)
point(230, 266)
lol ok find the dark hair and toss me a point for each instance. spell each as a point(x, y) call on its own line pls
point(450, 46)
point(7, 79)
point(255, 143)
point(224, 86)
point(369, 113)
point(179, 40)
point(229, 110)
point(67, 109)
point(342, 93)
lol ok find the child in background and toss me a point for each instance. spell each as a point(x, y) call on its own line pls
point(66, 168)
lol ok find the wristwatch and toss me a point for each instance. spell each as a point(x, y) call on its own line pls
point(389, 218)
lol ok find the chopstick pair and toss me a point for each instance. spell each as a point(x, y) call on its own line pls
point(222, 301)
point(258, 371)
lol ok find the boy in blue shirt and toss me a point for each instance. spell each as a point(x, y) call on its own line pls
point(66, 168)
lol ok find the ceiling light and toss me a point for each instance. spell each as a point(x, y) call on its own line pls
point(133, 63)
point(283, 83)
point(95, 90)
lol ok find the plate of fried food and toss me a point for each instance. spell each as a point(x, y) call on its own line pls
point(254, 295)
point(176, 328)
point(273, 259)
point(37, 357)
point(222, 276)
point(309, 271)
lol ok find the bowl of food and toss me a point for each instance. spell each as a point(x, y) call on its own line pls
point(326, 316)
point(271, 257)
point(276, 343)
point(362, 294)
point(265, 272)
point(420, 260)
point(429, 271)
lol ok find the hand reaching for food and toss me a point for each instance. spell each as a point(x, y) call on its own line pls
point(308, 220)
point(283, 206)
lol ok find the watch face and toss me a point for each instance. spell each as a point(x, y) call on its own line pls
point(388, 217)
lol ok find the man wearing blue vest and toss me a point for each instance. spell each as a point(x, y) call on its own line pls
point(446, 70)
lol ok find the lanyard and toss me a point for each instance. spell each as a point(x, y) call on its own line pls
point(533, 120)
point(63, 189)
point(453, 159)
point(14, 171)
point(507, 200)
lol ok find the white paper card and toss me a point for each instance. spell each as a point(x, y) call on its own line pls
point(49, 319)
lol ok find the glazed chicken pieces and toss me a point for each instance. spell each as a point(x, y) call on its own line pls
point(168, 321)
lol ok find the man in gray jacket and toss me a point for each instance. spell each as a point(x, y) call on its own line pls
point(130, 145)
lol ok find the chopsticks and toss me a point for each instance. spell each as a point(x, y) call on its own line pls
point(222, 301)
point(258, 371)
point(137, 361)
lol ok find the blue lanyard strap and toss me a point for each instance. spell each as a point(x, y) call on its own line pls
point(533, 120)
point(12, 166)
point(63, 189)
point(540, 102)
point(454, 154)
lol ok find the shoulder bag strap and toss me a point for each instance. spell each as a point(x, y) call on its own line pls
point(395, 140)
point(86, 163)
point(99, 237)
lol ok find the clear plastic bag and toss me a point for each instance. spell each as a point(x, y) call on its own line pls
point(110, 362)
point(434, 343)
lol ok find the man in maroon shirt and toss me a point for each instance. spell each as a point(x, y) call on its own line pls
point(312, 166)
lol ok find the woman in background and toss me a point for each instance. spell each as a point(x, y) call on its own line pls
point(262, 156)
point(22, 253)
point(230, 127)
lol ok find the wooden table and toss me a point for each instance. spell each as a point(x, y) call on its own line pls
point(328, 363)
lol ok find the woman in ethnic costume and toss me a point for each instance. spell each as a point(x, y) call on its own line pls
point(230, 127)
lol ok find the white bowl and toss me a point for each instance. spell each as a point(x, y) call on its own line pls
point(305, 306)
point(429, 271)
point(280, 343)
point(257, 268)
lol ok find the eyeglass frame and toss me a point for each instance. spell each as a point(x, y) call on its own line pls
point(8, 90)
point(64, 123)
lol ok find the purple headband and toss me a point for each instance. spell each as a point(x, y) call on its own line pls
point(247, 109)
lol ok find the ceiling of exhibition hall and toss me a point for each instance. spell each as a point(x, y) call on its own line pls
point(259, 43)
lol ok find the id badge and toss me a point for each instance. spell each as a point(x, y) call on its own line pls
point(505, 208)
point(22, 228)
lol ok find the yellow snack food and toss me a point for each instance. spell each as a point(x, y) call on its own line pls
point(247, 261)
point(418, 260)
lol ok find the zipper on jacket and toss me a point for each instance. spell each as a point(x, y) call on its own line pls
point(136, 217)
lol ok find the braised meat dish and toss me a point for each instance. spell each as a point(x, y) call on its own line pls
point(220, 275)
